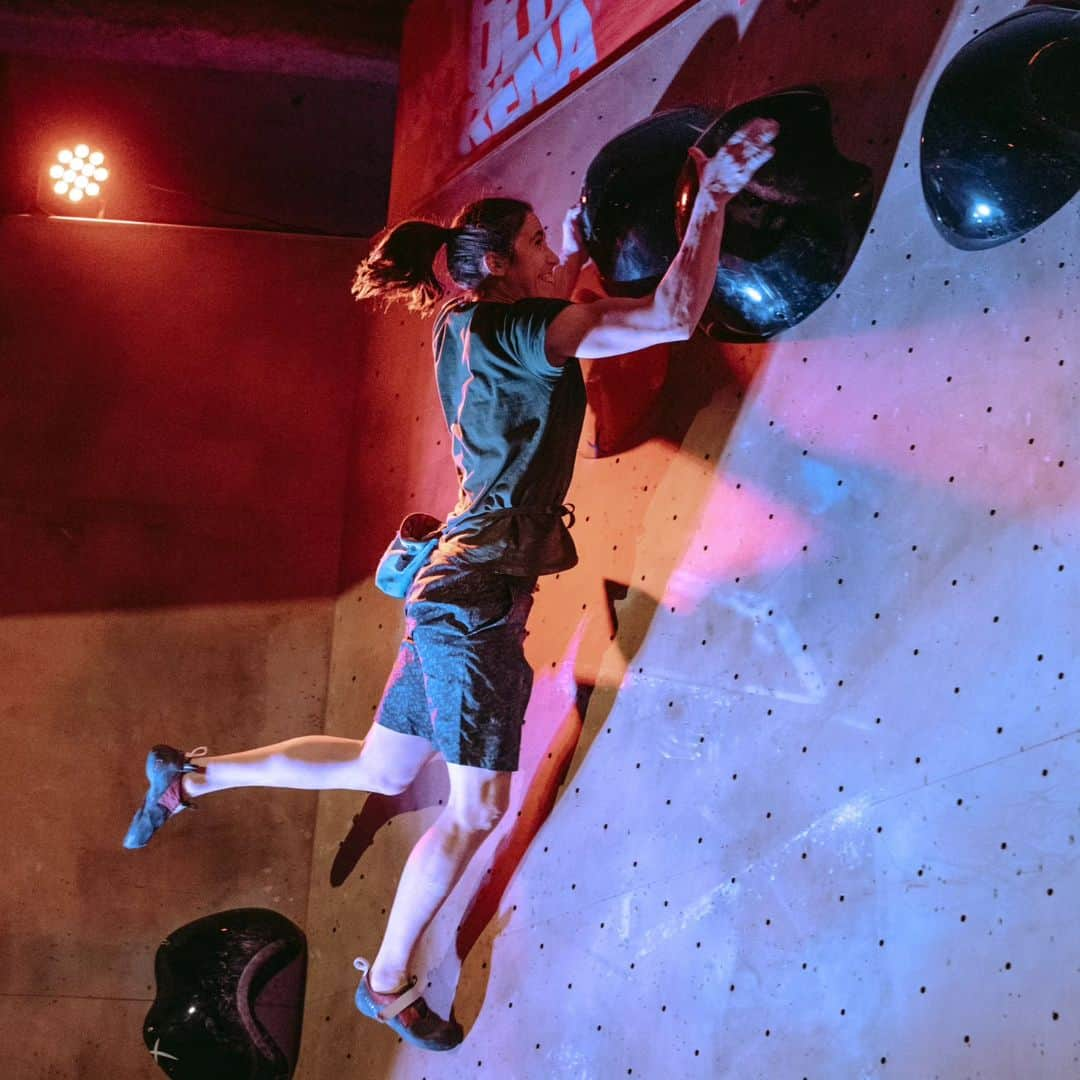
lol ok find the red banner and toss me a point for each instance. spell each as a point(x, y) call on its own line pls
point(472, 72)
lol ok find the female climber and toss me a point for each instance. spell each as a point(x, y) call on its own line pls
point(506, 351)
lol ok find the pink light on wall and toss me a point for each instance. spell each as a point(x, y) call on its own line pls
point(741, 531)
point(993, 430)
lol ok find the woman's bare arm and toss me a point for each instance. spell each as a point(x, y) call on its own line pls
point(615, 326)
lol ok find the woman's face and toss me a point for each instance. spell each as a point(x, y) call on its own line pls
point(530, 274)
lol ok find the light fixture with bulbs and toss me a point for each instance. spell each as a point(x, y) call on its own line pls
point(78, 173)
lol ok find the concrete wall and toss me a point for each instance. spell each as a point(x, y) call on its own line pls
point(175, 422)
point(797, 791)
point(263, 148)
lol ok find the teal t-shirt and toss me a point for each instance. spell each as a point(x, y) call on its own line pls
point(514, 422)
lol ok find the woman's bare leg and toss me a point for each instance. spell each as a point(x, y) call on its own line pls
point(385, 762)
point(478, 800)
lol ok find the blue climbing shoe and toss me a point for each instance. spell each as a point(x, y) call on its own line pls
point(165, 767)
point(406, 1012)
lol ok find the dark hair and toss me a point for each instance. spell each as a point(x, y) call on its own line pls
point(401, 266)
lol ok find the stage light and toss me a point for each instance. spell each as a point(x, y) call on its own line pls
point(78, 173)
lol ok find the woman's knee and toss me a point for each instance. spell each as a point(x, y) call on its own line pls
point(390, 761)
point(479, 806)
point(382, 778)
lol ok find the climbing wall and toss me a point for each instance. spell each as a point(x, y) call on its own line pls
point(797, 795)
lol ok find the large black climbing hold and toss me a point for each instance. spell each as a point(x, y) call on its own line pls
point(792, 232)
point(628, 200)
point(1000, 148)
point(230, 998)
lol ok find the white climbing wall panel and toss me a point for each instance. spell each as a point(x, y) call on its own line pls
point(821, 809)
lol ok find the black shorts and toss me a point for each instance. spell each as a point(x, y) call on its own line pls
point(461, 680)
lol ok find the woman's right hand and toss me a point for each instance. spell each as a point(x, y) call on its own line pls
point(573, 232)
point(732, 167)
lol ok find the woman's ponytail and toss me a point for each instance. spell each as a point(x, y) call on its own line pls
point(401, 266)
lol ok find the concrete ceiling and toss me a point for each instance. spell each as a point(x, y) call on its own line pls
point(336, 41)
